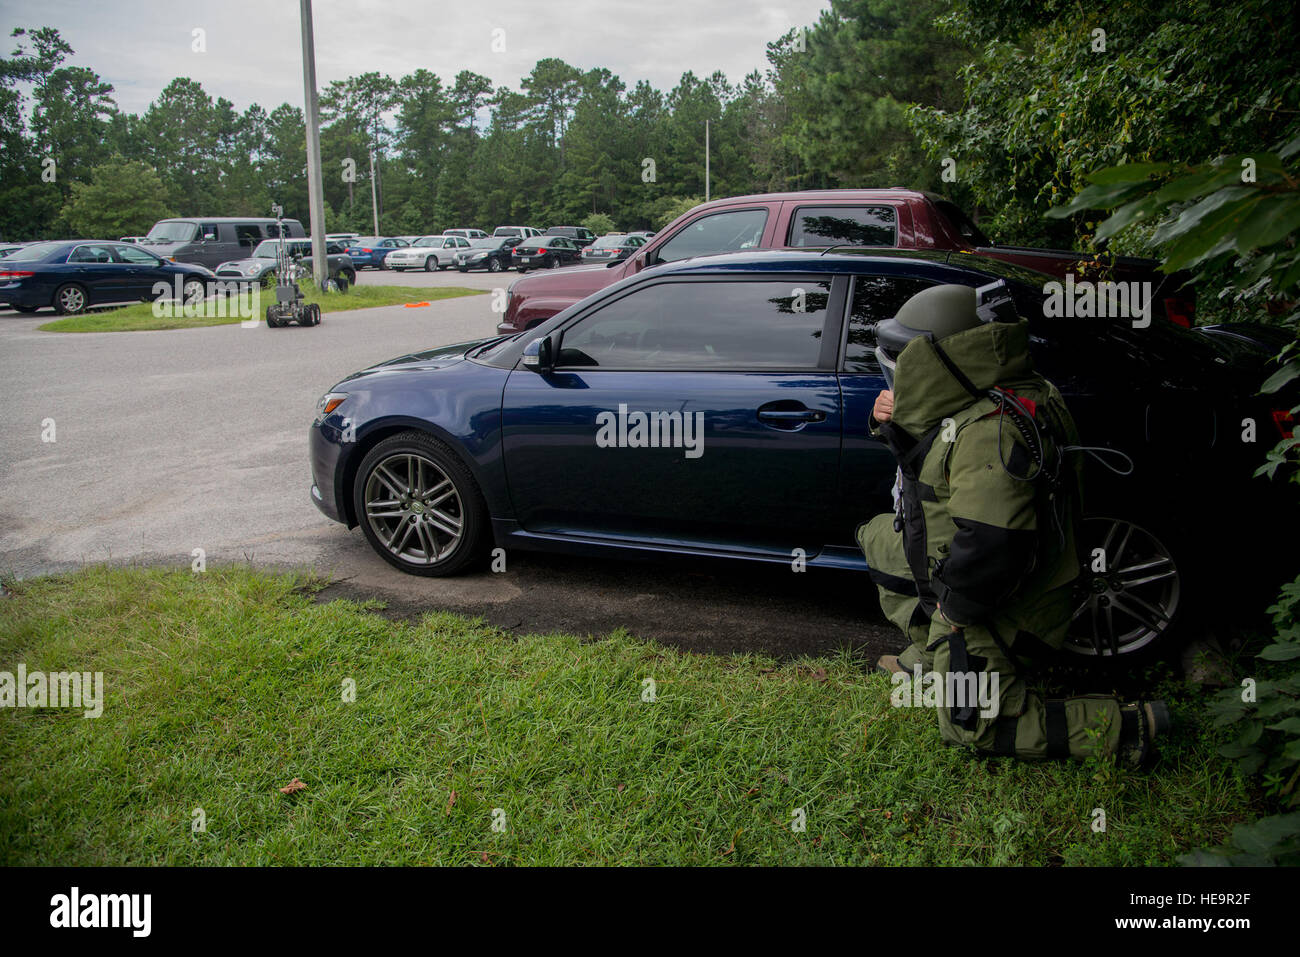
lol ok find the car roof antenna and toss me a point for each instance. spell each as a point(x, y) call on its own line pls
point(839, 246)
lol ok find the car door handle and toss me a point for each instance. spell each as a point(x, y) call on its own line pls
point(783, 415)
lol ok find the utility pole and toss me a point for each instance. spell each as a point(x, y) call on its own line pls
point(706, 161)
point(374, 201)
point(315, 188)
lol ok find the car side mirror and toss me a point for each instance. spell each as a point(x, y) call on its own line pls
point(539, 355)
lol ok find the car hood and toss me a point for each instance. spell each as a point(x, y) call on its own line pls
point(426, 361)
point(241, 263)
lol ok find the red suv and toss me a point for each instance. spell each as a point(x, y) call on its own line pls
point(888, 218)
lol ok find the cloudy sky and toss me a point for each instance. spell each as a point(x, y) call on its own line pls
point(254, 48)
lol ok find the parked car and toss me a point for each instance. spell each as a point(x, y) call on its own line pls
point(429, 253)
point(493, 254)
point(211, 241)
point(545, 252)
point(644, 234)
point(133, 239)
point(867, 218)
point(73, 275)
point(580, 235)
point(612, 248)
point(439, 455)
point(521, 232)
point(260, 266)
point(344, 238)
point(466, 233)
point(371, 250)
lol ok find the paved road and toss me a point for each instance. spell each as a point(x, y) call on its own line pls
point(170, 441)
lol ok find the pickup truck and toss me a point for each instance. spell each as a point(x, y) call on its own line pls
point(881, 218)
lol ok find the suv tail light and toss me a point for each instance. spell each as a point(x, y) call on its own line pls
point(1181, 312)
point(1282, 418)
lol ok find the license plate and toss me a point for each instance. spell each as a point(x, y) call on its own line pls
point(525, 259)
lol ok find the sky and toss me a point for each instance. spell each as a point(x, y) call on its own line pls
point(254, 52)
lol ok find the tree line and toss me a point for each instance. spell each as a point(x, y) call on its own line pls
point(1003, 105)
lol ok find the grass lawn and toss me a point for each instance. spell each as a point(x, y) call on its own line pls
point(139, 317)
point(223, 687)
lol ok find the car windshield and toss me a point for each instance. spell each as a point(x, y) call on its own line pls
point(173, 233)
point(609, 242)
point(430, 241)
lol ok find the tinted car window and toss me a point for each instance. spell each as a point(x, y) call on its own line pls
point(875, 298)
point(704, 325)
point(91, 254)
point(858, 225)
point(248, 234)
point(720, 232)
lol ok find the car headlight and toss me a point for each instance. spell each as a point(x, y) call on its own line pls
point(252, 270)
point(329, 402)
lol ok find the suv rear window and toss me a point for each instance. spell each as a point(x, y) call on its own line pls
point(855, 225)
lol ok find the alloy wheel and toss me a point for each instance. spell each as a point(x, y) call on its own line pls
point(414, 509)
point(1128, 593)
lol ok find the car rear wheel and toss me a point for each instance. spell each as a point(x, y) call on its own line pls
point(70, 299)
point(1129, 595)
point(419, 506)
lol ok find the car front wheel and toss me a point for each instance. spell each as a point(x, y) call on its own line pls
point(419, 506)
point(494, 265)
point(431, 264)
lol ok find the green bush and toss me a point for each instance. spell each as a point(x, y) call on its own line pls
point(598, 223)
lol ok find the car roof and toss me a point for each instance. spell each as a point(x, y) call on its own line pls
point(845, 260)
point(225, 219)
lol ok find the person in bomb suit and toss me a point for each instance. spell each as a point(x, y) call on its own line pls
point(977, 565)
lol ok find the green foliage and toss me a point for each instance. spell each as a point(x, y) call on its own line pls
point(669, 208)
point(121, 199)
point(598, 223)
point(1178, 80)
point(1265, 714)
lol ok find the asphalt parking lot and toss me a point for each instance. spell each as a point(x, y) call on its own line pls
point(170, 441)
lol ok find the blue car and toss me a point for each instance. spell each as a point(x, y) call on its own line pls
point(371, 250)
point(720, 406)
point(73, 275)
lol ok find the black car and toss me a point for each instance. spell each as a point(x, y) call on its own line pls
point(73, 275)
point(545, 252)
point(581, 236)
point(612, 248)
point(493, 254)
point(773, 354)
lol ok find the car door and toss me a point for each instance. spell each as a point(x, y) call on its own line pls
point(699, 411)
point(868, 467)
point(103, 275)
point(143, 270)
